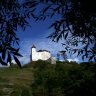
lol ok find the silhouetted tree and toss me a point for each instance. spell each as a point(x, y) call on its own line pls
point(76, 25)
point(64, 79)
point(63, 54)
point(13, 15)
point(58, 56)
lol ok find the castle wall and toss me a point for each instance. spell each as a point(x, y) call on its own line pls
point(44, 55)
point(35, 57)
point(34, 54)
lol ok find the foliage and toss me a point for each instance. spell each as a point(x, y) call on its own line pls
point(64, 80)
point(44, 79)
point(62, 54)
point(13, 15)
point(15, 81)
point(76, 25)
point(25, 92)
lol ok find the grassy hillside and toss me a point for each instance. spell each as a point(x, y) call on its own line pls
point(14, 80)
point(44, 79)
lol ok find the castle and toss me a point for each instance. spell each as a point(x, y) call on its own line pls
point(41, 55)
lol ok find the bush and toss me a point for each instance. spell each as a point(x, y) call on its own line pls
point(25, 92)
point(64, 80)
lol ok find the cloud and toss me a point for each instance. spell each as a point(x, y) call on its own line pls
point(23, 60)
point(75, 59)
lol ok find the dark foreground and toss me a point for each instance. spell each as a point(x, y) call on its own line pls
point(43, 79)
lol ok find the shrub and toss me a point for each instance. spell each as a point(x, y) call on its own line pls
point(64, 80)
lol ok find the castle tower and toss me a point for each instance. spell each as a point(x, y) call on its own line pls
point(33, 53)
point(33, 49)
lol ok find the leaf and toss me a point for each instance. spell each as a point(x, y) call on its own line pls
point(2, 62)
point(33, 5)
point(58, 38)
point(91, 57)
point(17, 54)
point(17, 50)
point(9, 58)
point(17, 61)
point(12, 49)
point(46, 9)
point(17, 43)
point(78, 53)
point(3, 54)
point(52, 14)
point(83, 57)
point(52, 25)
point(66, 35)
point(95, 59)
point(33, 15)
point(74, 51)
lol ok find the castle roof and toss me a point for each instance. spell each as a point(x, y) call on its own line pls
point(33, 46)
point(62, 51)
point(43, 51)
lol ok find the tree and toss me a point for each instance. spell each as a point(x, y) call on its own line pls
point(77, 25)
point(63, 54)
point(13, 14)
point(58, 56)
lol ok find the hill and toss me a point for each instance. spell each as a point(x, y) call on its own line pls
point(44, 79)
point(14, 80)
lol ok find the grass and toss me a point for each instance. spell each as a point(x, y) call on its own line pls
point(14, 80)
point(18, 82)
